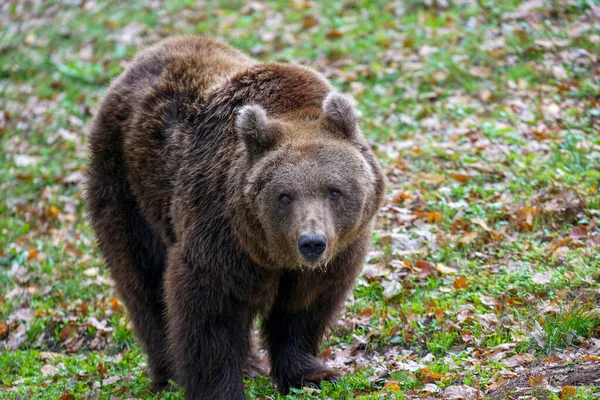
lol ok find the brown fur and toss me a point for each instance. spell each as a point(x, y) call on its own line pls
point(206, 169)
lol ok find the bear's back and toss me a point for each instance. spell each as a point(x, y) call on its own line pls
point(152, 100)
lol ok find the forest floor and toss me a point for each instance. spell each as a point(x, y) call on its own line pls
point(484, 279)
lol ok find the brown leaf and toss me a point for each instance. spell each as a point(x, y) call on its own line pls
point(309, 22)
point(115, 304)
point(561, 252)
point(434, 216)
point(425, 269)
point(468, 237)
point(567, 392)
point(67, 331)
point(432, 179)
point(461, 177)
point(439, 313)
point(501, 381)
point(334, 34)
point(519, 359)
point(428, 376)
point(301, 5)
point(467, 336)
point(536, 380)
point(480, 72)
point(4, 330)
point(442, 269)
point(525, 216)
point(366, 311)
point(327, 351)
point(460, 283)
point(591, 357)
point(578, 232)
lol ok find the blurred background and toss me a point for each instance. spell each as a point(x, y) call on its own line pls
point(484, 276)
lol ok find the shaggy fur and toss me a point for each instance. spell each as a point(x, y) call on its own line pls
point(206, 168)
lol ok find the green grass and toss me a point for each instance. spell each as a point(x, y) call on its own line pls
point(465, 94)
point(565, 327)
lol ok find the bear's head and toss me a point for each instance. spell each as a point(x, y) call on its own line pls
point(310, 183)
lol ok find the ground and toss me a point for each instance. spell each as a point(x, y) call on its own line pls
point(484, 279)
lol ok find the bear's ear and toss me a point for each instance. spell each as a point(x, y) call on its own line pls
point(253, 126)
point(339, 114)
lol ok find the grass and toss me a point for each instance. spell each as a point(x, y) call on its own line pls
point(501, 113)
point(565, 327)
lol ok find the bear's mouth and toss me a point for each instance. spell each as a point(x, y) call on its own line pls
point(320, 263)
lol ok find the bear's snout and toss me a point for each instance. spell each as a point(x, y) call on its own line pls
point(312, 246)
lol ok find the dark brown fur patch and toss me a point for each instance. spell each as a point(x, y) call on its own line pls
point(175, 197)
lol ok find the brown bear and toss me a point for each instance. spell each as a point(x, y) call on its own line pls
point(222, 189)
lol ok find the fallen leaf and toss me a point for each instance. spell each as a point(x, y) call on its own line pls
point(100, 325)
point(461, 177)
point(429, 376)
point(542, 278)
point(578, 232)
point(519, 359)
point(591, 357)
point(431, 388)
point(485, 95)
point(25, 160)
point(432, 179)
point(561, 252)
point(467, 336)
point(463, 392)
point(567, 392)
point(391, 288)
point(559, 72)
point(480, 72)
point(539, 334)
point(4, 330)
point(501, 381)
point(439, 76)
point(49, 369)
point(525, 217)
point(536, 380)
point(552, 111)
point(310, 22)
point(460, 283)
point(425, 268)
point(115, 304)
point(75, 177)
point(434, 216)
point(468, 237)
point(334, 34)
point(30, 38)
point(327, 351)
point(67, 331)
point(442, 269)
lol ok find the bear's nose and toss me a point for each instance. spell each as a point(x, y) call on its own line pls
point(312, 246)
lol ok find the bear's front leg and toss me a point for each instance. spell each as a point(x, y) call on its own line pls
point(294, 338)
point(305, 305)
point(208, 331)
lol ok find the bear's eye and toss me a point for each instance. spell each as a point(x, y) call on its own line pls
point(284, 199)
point(334, 194)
